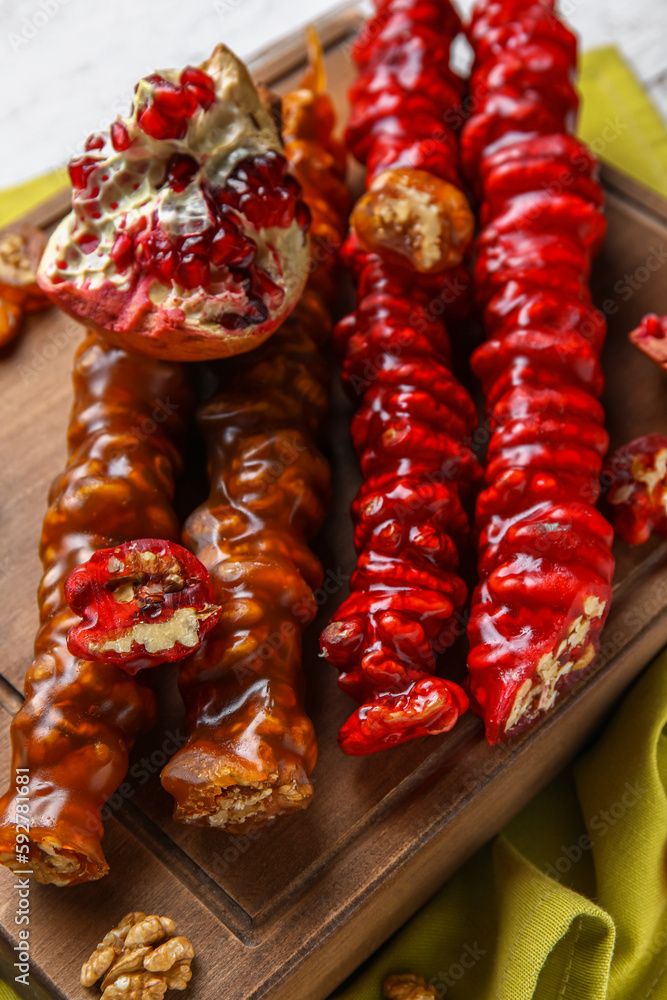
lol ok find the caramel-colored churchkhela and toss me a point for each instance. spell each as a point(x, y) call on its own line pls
point(251, 747)
point(80, 719)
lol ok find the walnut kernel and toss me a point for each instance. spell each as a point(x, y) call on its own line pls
point(408, 986)
point(140, 959)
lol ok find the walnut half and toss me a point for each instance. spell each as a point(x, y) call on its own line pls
point(408, 986)
point(140, 959)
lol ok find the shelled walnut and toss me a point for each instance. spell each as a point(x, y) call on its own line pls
point(408, 986)
point(140, 959)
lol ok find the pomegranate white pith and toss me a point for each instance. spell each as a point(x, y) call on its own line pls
point(187, 239)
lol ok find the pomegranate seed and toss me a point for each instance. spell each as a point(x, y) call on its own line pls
point(200, 84)
point(195, 244)
point(120, 138)
point(223, 247)
point(166, 264)
point(198, 77)
point(263, 191)
point(88, 243)
point(259, 310)
point(94, 141)
point(266, 288)
point(204, 98)
point(180, 171)
point(193, 272)
point(159, 127)
point(303, 216)
point(160, 242)
point(245, 252)
point(173, 101)
point(256, 312)
point(121, 252)
point(79, 170)
point(234, 321)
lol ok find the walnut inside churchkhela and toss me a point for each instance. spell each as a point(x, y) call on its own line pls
point(140, 959)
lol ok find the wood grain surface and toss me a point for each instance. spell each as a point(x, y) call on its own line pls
point(291, 911)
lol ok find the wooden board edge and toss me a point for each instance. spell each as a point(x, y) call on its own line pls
point(287, 54)
point(633, 190)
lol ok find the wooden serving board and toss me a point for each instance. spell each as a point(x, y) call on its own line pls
point(290, 912)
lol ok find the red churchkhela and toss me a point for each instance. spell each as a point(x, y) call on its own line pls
point(545, 559)
point(415, 421)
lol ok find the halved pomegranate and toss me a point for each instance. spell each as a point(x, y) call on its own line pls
point(187, 237)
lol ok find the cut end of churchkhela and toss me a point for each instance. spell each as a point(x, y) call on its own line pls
point(544, 668)
point(413, 218)
point(218, 789)
point(72, 857)
point(187, 238)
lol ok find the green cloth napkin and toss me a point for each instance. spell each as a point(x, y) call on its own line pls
point(618, 120)
point(570, 902)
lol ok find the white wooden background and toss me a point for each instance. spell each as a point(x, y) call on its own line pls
point(67, 67)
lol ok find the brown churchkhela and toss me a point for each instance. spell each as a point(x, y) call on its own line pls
point(79, 719)
point(251, 747)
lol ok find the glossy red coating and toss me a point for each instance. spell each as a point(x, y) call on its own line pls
point(545, 560)
point(412, 432)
